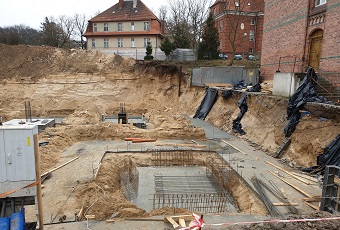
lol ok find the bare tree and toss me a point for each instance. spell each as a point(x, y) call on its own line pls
point(80, 27)
point(67, 25)
point(188, 17)
point(235, 12)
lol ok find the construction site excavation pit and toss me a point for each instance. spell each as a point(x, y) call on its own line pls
point(161, 182)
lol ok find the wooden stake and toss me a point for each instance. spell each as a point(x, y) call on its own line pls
point(37, 174)
point(290, 184)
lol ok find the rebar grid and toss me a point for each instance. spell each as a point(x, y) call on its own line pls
point(129, 179)
point(172, 158)
point(185, 184)
point(220, 170)
point(204, 203)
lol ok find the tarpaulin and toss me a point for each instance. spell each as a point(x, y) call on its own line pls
point(330, 156)
point(242, 104)
point(207, 103)
point(227, 93)
point(255, 88)
point(305, 93)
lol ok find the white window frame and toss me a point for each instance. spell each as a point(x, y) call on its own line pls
point(106, 43)
point(320, 2)
point(132, 26)
point(95, 28)
point(146, 40)
point(120, 26)
point(251, 35)
point(146, 25)
point(106, 27)
point(132, 42)
point(93, 43)
point(120, 42)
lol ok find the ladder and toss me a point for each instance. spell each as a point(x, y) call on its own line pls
point(284, 144)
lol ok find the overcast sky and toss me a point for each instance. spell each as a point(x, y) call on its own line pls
point(32, 12)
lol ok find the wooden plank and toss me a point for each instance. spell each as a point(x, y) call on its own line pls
point(181, 222)
point(60, 166)
point(234, 147)
point(285, 204)
point(290, 184)
point(312, 199)
point(174, 224)
point(289, 173)
point(184, 217)
point(306, 177)
point(311, 205)
point(223, 85)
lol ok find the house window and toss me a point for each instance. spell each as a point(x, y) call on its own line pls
point(146, 40)
point(93, 43)
point(251, 35)
point(120, 26)
point(320, 2)
point(132, 26)
point(120, 42)
point(106, 27)
point(252, 22)
point(95, 28)
point(146, 26)
point(132, 42)
point(214, 11)
point(250, 50)
point(106, 43)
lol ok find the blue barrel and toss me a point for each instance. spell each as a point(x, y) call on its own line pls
point(18, 221)
point(4, 223)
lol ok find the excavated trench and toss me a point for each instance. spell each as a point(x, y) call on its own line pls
point(170, 181)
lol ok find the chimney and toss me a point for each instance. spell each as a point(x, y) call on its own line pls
point(121, 4)
point(134, 3)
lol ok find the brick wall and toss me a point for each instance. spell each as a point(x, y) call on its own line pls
point(330, 59)
point(287, 32)
point(284, 35)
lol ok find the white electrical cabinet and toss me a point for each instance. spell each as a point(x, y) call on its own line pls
point(17, 159)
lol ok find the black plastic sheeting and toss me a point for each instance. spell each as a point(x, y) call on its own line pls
point(242, 104)
point(255, 88)
point(330, 156)
point(227, 93)
point(207, 103)
point(305, 93)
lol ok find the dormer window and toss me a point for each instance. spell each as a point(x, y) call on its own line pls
point(320, 2)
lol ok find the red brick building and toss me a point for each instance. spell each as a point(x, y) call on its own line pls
point(301, 33)
point(240, 26)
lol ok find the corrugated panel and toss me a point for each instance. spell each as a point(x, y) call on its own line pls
point(229, 75)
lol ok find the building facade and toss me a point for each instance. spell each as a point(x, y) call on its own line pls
point(240, 26)
point(124, 28)
point(301, 33)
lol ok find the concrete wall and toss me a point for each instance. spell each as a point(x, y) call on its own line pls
point(229, 75)
point(285, 84)
point(135, 53)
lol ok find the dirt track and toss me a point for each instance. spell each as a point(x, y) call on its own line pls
point(83, 85)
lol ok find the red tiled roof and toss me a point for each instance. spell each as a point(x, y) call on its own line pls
point(126, 13)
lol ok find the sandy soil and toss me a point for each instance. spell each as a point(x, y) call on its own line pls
point(83, 85)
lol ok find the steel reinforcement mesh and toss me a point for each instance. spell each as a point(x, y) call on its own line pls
point(129, 179)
